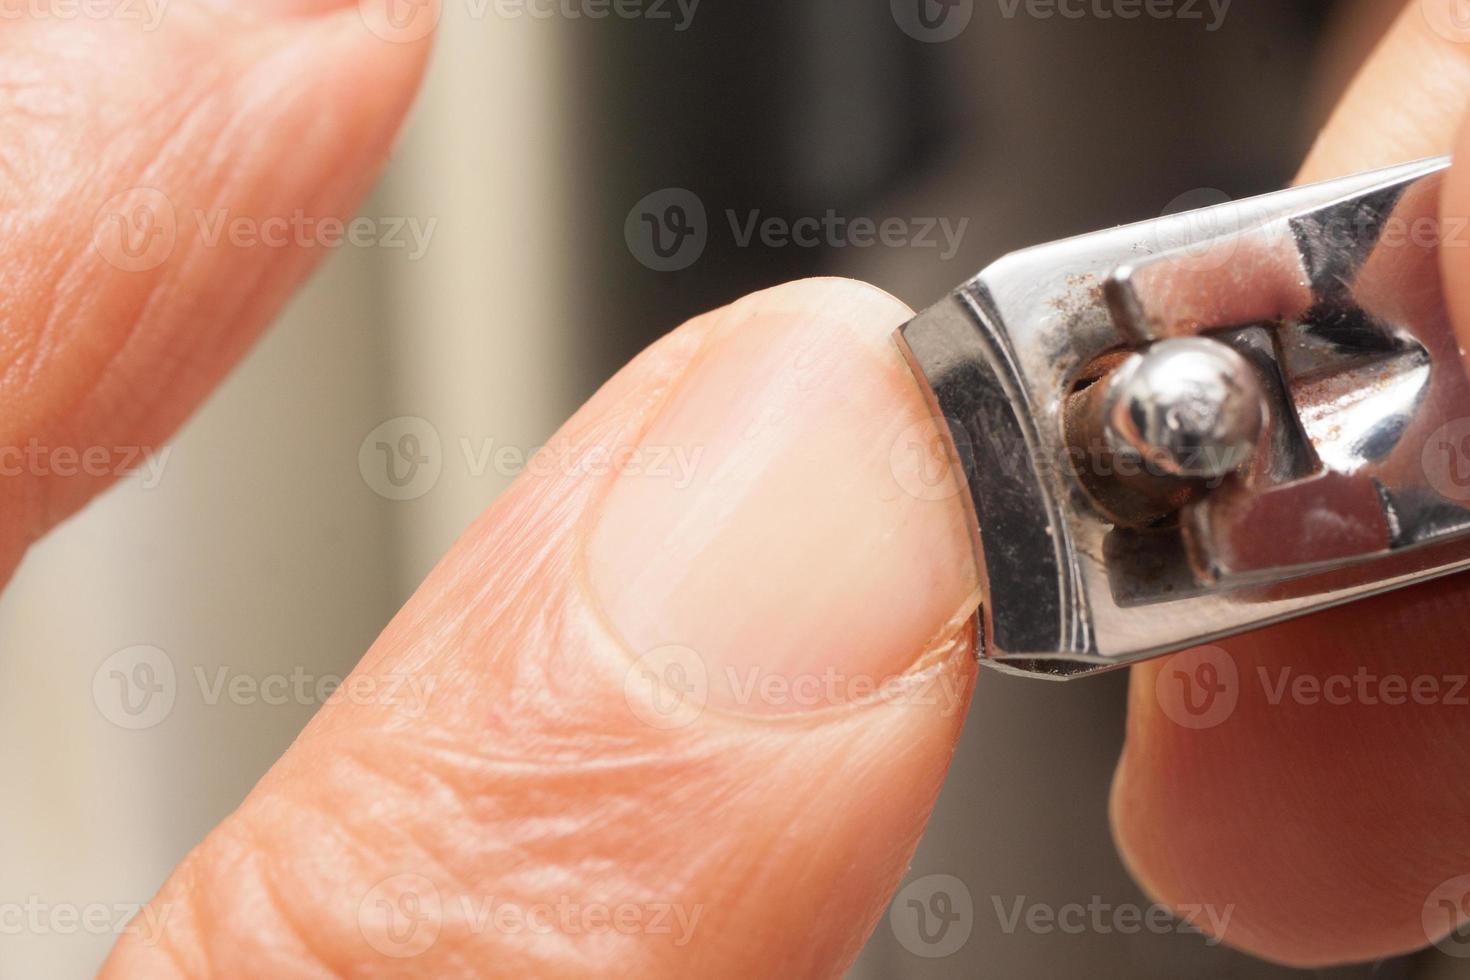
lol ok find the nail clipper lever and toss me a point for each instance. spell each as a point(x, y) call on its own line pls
point(1195, 426)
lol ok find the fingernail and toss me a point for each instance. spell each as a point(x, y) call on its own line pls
point(815, 549)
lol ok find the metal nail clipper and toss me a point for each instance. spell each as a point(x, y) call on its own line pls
point(1195, 426)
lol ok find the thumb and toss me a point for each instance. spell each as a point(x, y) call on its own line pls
point(680, 701)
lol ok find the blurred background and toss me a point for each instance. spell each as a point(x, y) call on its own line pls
point(580, 186)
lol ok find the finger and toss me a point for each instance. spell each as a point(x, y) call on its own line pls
point(678, 719)
point(1316, 810)
point(168, 173)
point(1406, 101)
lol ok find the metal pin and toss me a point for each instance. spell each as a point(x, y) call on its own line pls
point(1191, 407)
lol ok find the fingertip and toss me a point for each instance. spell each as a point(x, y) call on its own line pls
point(868, 310)
point(801, 545)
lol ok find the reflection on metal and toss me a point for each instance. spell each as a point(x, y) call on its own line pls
point(1195, 426)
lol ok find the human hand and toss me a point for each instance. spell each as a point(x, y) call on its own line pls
point(676, 727)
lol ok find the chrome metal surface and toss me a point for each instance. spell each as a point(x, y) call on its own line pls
point(1283, 368)
point(1190, 406)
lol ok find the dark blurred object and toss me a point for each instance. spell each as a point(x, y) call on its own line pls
point(760, 107)
point(1032, 128)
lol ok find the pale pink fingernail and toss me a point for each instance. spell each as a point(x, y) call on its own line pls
point(810, 549)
